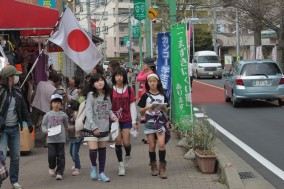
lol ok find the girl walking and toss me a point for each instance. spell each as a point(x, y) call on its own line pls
point(98, 113)
point(156, 124)
point(124, 106)
point(56, 141)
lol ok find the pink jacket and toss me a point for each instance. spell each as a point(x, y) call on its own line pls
point(142, 78)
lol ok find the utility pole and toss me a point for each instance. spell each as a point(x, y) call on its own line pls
point(192, 26)
point(140, 46)
point(129, 37)
point(105, 43)
point(215, 32)
point(89, 17)
point(173, 11)
point(237, 36)
point(148, 27)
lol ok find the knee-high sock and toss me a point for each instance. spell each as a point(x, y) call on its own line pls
point(118, 151)
point(102, 159)
point(127, 150)
point(162, 155)
point(152, 156)
point(93, 156)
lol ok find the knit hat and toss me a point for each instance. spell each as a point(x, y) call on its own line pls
point(8, 71)
point(149, 61)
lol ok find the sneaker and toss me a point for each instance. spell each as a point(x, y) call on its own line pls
point(51, 172)
point(76, 172)
point(73, 168)
point(126, 161)
point(16, 186)
point(112, 145)
point(59, 177)
point(93, 173)
point(103, 177)
point(121, 169)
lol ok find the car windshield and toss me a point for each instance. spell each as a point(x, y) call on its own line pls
point(208, 59)
point(260, 69)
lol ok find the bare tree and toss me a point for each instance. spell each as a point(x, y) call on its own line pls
point(258, 15)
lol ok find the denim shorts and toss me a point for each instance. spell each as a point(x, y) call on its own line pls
point(125, 125)
point(149, 128)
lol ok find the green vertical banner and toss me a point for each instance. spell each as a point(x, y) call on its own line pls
point(181, 101)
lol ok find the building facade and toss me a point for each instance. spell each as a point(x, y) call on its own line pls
point(111, 21)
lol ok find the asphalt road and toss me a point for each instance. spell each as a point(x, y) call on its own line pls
point(258, 124)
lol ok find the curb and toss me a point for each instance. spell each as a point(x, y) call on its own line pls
point(228, 173)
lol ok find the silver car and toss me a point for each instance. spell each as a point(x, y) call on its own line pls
point(254, 79)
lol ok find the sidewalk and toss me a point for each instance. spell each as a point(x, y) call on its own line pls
point(182, 173)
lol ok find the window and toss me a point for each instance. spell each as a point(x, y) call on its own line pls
point(97, 31)
point(260, 69)
point(105, 29)
point(135, 42)
point(105, 15)
point(121, 42)
point(208, 59)
point(103, 2)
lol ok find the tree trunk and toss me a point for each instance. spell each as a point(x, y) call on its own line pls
point(257, 39)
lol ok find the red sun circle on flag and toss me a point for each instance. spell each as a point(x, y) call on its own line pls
point(78, 41)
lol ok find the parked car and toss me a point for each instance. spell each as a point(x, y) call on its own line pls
point(206, 63)
point(254, 79)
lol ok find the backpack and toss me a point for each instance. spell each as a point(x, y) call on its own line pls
point(81, 117)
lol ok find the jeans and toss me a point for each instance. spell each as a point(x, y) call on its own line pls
point(56, 157)
point(11, 138)
point(75, 144)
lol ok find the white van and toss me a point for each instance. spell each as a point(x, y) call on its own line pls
point(105, 65)
point(206, 63)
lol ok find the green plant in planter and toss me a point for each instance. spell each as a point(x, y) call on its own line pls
point(204, 136)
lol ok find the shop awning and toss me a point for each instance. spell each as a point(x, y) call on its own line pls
point(29, 18)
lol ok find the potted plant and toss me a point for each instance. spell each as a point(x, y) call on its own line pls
point(203, 140)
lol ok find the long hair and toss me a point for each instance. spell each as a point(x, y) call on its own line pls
point(159, 86)
point(120, 71)
point(95, 78)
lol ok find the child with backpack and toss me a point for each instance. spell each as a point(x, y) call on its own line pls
point(124, 106)
point(98, 112)
point(156, 125)
point(75, 136)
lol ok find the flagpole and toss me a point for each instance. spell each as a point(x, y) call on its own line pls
point(45, 44)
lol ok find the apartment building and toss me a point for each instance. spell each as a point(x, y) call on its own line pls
point(110, 21)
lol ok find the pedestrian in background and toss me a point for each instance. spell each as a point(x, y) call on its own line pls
point(98, 69)
point(13, 112)
point(55, 143)
point(98, 114)
point(124, 106)
point(149, 67)
point(155, 126)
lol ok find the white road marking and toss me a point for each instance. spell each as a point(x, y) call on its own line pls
point(273, 168)
point(199, 115)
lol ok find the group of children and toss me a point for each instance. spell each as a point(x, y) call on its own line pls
point(105, 105)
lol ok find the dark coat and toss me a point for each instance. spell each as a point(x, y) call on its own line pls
point(21, 107)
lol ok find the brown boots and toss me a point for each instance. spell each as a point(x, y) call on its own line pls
point(154, 168)
point(162, 169)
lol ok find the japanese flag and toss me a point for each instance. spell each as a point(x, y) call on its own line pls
point(76, 43)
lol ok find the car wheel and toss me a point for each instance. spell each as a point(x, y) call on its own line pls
point(227, 99)
point(280, 102)
point(236, 102)
point(219, 77)
point(197, 75)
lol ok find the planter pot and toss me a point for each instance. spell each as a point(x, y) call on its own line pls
point(206, 163)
